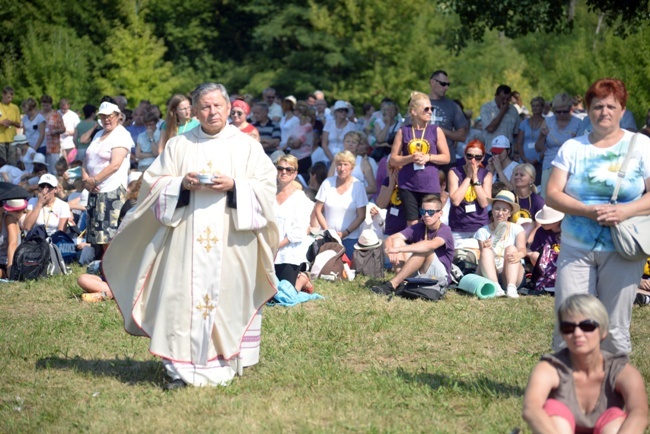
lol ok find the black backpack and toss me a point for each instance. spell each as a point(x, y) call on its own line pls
point(32, 257)
point(421, 288)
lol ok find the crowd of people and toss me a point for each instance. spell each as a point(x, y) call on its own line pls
point(527, 192)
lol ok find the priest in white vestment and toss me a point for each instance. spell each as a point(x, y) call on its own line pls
point(192, 264)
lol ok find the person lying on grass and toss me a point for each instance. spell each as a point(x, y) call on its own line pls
point(426, 247)
point(583, 388)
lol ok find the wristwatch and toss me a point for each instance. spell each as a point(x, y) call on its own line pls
point(477, 183)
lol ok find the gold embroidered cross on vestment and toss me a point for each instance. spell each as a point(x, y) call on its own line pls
point(206, 238)
point(206, 307)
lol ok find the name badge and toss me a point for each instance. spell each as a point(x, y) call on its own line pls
point(418, 166)
point(394, 211)
point(530, 145)
point(470, 208)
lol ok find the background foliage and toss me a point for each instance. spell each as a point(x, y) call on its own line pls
point(359, 50)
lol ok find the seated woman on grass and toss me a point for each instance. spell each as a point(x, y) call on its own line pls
point(583, 388)
point(503, 246)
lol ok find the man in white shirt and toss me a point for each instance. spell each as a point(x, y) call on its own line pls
point(275, 110)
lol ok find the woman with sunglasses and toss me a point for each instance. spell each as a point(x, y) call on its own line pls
point(47, 209)
point(418, 150)
point(470, 188)
point(178, 121)
point(238, 113)
point(555, 131)
point(583, 388)
point(292, 211)
point(503, 246)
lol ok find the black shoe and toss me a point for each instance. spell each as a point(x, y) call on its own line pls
point(176, 384)
point(385, 288)
point(642, 299)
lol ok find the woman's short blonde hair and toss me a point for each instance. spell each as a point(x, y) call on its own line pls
point(416, 97)
point(586, 305)
point(290, 160)
point(345, 157)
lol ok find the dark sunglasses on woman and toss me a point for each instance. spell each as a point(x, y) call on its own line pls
point(587, 326)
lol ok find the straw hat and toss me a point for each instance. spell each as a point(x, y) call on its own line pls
point(507, 197)
point(367, 240)
point(548, 215)
point(19, 139)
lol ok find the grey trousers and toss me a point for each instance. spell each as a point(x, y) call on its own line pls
point(607, 276)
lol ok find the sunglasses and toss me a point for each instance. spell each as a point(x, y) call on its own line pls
point(44, 186)
point(587, 326)
point(474, 157)
point(561, 112)
point(429, 212)
point(286, 169)
point(427, 109)
point(443, 83)
point(234, 113)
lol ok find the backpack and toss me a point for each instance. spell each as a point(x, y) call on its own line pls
point(32, 257)
point(57, 264)
point(65, 245)
point(369, 262)
point(328, 264)
point(421, 288)
point(314, 249)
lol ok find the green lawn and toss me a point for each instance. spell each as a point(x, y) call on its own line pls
point(353, 362)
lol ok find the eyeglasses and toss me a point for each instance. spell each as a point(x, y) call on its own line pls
point(443, 83)
point(184, 109)
point(427, 109)
point(429, 212)
point(289, 170)
point(234, 113)
point(587, 326)
point(474, 157)
point(561, 112)
point(500, 210)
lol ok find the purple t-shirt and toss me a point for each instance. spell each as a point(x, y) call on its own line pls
point(532, 203)
point(395, 216)
point(425, 180)
point(445, 253)
point(544, 237)
point(459, 219)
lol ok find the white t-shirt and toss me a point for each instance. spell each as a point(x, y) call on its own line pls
point(292, 218)
point(31, 129)
point(286, 129)
point(499, 246)
point(70, 120)
point(98, 156)
point(13, 173)
point(507, 171)
point(336, 135)
point(28, 159)
point(340, 210)
point(50, 216)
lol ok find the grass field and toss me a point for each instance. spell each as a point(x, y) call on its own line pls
point(353, 362)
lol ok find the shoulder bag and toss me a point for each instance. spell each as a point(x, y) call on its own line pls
point(632, 236)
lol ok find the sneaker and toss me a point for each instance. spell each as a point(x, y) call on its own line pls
point(511, 291)
point(499, 293)
point(385, 288)
point(642, 299)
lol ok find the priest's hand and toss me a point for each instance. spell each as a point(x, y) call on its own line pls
point(221, 183)
point(191, 181)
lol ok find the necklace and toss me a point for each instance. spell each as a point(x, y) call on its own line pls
point(426, 231)
point(418, 144)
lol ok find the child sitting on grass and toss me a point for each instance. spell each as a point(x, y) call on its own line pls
point(544, 250)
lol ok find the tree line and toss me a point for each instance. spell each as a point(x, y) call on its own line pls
point(357, 50)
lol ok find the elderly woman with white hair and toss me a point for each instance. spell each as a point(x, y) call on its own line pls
point(341, 202)
point(583, 388)
point(555, 131)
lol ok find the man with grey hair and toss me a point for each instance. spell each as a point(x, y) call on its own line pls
point(192, 265)
point(269, 131)
point(275, 110)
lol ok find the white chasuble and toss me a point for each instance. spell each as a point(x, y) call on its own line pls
point(193, 277)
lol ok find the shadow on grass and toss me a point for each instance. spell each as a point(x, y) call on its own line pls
point(476, 385)
point(126, 370)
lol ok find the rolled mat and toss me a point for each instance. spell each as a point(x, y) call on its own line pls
point(478, 285)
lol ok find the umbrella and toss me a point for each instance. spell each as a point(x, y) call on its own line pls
point(12, 191)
